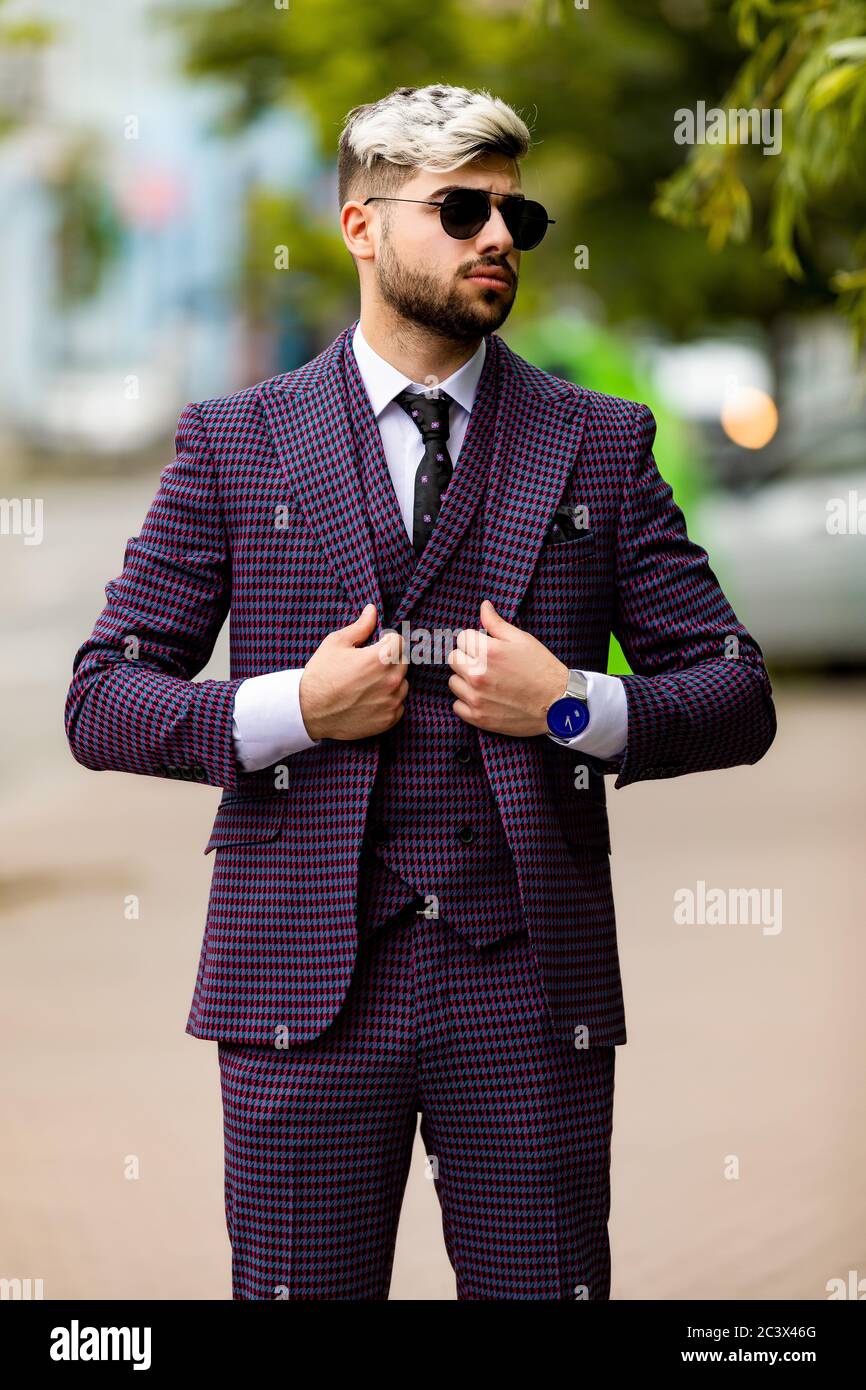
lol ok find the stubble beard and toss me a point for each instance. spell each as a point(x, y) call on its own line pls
point(422, 300)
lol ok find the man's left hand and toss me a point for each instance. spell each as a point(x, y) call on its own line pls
point(504, 679)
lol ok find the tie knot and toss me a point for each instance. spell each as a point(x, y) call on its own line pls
point(430, 413)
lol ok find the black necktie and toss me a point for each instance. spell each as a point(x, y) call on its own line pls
point(430, 414)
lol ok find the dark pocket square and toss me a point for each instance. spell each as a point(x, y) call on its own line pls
point(562, 525)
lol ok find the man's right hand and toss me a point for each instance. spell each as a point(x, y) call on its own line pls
point(350, 692)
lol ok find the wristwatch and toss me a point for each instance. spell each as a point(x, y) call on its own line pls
point(569, 715)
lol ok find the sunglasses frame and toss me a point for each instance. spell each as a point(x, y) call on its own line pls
point(482, 193)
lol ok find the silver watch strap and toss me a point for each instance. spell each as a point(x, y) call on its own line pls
point(577, 685)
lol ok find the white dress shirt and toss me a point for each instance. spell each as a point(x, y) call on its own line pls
point(267, 720)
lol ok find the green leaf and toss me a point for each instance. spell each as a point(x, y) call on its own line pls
point(836, 84)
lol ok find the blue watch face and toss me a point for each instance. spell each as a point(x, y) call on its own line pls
point(568, 717)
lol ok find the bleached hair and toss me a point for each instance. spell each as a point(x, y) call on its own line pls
point(436, 127)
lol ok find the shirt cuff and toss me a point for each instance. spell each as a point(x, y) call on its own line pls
point(605, 735)
point(266, 719)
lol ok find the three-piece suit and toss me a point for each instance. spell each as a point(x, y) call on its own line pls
point(420, 921)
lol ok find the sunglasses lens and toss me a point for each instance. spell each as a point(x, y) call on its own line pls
point(463, 213)
point(526, 221)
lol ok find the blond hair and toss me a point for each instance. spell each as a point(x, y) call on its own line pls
point(436, 127)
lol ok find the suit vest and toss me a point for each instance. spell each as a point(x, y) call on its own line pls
point(434, 835)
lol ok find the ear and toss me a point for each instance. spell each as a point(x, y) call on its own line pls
point(356, 222)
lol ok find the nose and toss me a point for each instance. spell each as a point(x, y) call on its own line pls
point(494, 237)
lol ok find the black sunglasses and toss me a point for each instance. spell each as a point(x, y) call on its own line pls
point(464, 211)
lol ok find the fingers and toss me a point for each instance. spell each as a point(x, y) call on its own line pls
point(391, 649)
point(363, 627)
point(464, 711)
point(496, 626)
point(468, 641)
point(462, 689)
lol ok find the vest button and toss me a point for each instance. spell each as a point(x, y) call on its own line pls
point(465, 834)
point(463, 753)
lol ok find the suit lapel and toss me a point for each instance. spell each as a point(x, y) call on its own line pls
point(389, 530)
point(521, 442)
point(465, 489)
point(308, 418)
point(539, 430)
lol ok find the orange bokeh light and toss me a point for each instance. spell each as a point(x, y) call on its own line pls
point(750, 418)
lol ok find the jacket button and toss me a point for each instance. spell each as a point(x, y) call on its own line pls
point(465, 834)
point(463, 753)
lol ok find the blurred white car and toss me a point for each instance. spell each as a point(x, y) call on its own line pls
point(99, 412)
point(793, 562)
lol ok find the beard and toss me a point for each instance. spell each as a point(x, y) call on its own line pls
point(420, 298)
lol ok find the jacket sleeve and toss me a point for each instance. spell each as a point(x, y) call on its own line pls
point(699, 696)
point(132, 705)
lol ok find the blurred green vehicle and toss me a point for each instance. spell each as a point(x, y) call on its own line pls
point(569, 346)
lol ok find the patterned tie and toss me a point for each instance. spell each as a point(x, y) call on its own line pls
point(430, 414)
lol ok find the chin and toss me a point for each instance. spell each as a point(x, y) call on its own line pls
point(493, 312)
point(492, 299)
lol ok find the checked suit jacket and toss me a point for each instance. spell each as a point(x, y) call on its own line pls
point(262, 513)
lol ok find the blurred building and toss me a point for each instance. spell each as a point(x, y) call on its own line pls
point(121, 230)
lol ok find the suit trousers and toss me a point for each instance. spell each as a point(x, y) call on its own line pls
point(516, 1124)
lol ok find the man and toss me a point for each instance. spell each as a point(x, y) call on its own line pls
point(425, 543)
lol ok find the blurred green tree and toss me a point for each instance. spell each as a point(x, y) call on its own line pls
point(88, 231)
point(808, 61)
point(601, 86)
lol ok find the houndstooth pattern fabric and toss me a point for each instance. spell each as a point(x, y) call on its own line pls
point(263, 511)
point(432, 819)
point(515, 1122)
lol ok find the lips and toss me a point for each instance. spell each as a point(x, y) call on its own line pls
point(490, 275)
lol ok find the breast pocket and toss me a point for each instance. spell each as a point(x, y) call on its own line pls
point(582, 541)
point(560, 566)
point(247, 820)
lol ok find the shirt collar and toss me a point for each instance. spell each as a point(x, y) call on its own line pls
point(383, 382)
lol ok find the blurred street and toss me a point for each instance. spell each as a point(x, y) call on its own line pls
point(741, 1043)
